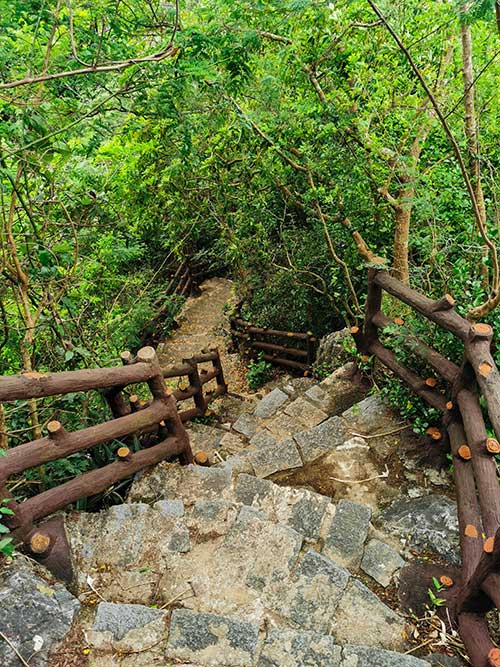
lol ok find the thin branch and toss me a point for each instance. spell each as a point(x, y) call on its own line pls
point(168, 52)
point(490, 303)
point(275, 38)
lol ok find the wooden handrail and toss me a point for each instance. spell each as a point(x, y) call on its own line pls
point(157, 421)
point(475, 470)
point(263, 340)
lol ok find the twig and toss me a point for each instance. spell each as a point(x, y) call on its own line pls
point(7, 640)
point(415, 648)
point(382, 475)
point(380, 435)
point(177, 597)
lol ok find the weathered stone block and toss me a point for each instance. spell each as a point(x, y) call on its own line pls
point(119, 619)
point(275, 457)
point(211, 640)
point(368, 656)
point(307, 514)
point(172, 508)
point(380, 561)
point(246, 425)
point(321, 439)
point(311, 600)
point(232, 443)
point(270, 404)
point(360, 614)
point(305, 412)
point(428, 523)
point(288, 648)
point(35, 617)
point(347, 533)
point(248, 489)
point(179, 541)
point(283, 426)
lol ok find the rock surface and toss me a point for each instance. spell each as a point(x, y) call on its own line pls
point(219, 566)
point(211, 640)
point(35, 616)
point(428, 523)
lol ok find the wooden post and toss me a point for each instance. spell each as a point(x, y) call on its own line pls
point(311, 348)
point(195, 384)
point(217, 364)
point(373, 306)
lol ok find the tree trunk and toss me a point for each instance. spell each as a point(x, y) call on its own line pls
point(402, 218)
point(471, 131)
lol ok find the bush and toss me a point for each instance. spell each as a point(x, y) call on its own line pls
point(259, 372)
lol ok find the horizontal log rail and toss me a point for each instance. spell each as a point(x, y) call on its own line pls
point(156, 424)
point(475, 469)
point(253, 340)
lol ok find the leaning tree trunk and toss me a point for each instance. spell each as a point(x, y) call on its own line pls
point(402, 217)
point(472, 133)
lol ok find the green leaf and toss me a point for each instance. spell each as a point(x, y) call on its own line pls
point(6, 510)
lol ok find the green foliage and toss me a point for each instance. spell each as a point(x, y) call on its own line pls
point(435, 600)
point(259, 372)
point(322, 371)
point(6, 545)
point(234, 153)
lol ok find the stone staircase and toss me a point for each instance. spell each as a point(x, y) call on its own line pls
point(278, 555)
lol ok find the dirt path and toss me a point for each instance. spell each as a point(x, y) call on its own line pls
point(203, 323)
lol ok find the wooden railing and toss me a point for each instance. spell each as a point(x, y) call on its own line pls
point(475, 469)
point(298, 354)
point(155, 422)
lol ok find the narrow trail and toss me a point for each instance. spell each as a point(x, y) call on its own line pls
point(204, 323)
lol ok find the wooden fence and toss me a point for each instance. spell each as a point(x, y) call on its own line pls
point(475, 468)
point(298, 354)
point(155, 422)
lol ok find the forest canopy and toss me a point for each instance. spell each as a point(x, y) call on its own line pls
point(287, 144)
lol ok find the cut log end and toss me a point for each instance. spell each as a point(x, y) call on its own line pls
point(485, 369)
point(201, 458)
point(489, 545)
point(399, 321)
point(146, 354)
point(123, 453)
point(493, 446)
point(434, 433)
point(494, 657)
point(54, 427)
point(126, 357)
point(464, 452)
point(39, 543)
point(354, 330)
point(307, 374)
point(449, 405)
point(471, 531)
point(431, 382)
point(447, 302)
point(481, 329)
point(446, 581)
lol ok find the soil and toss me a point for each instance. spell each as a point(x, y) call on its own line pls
point(204, 323)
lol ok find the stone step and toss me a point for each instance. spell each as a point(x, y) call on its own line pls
point(243, 548)
point(36, 614)
point(214, 640)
